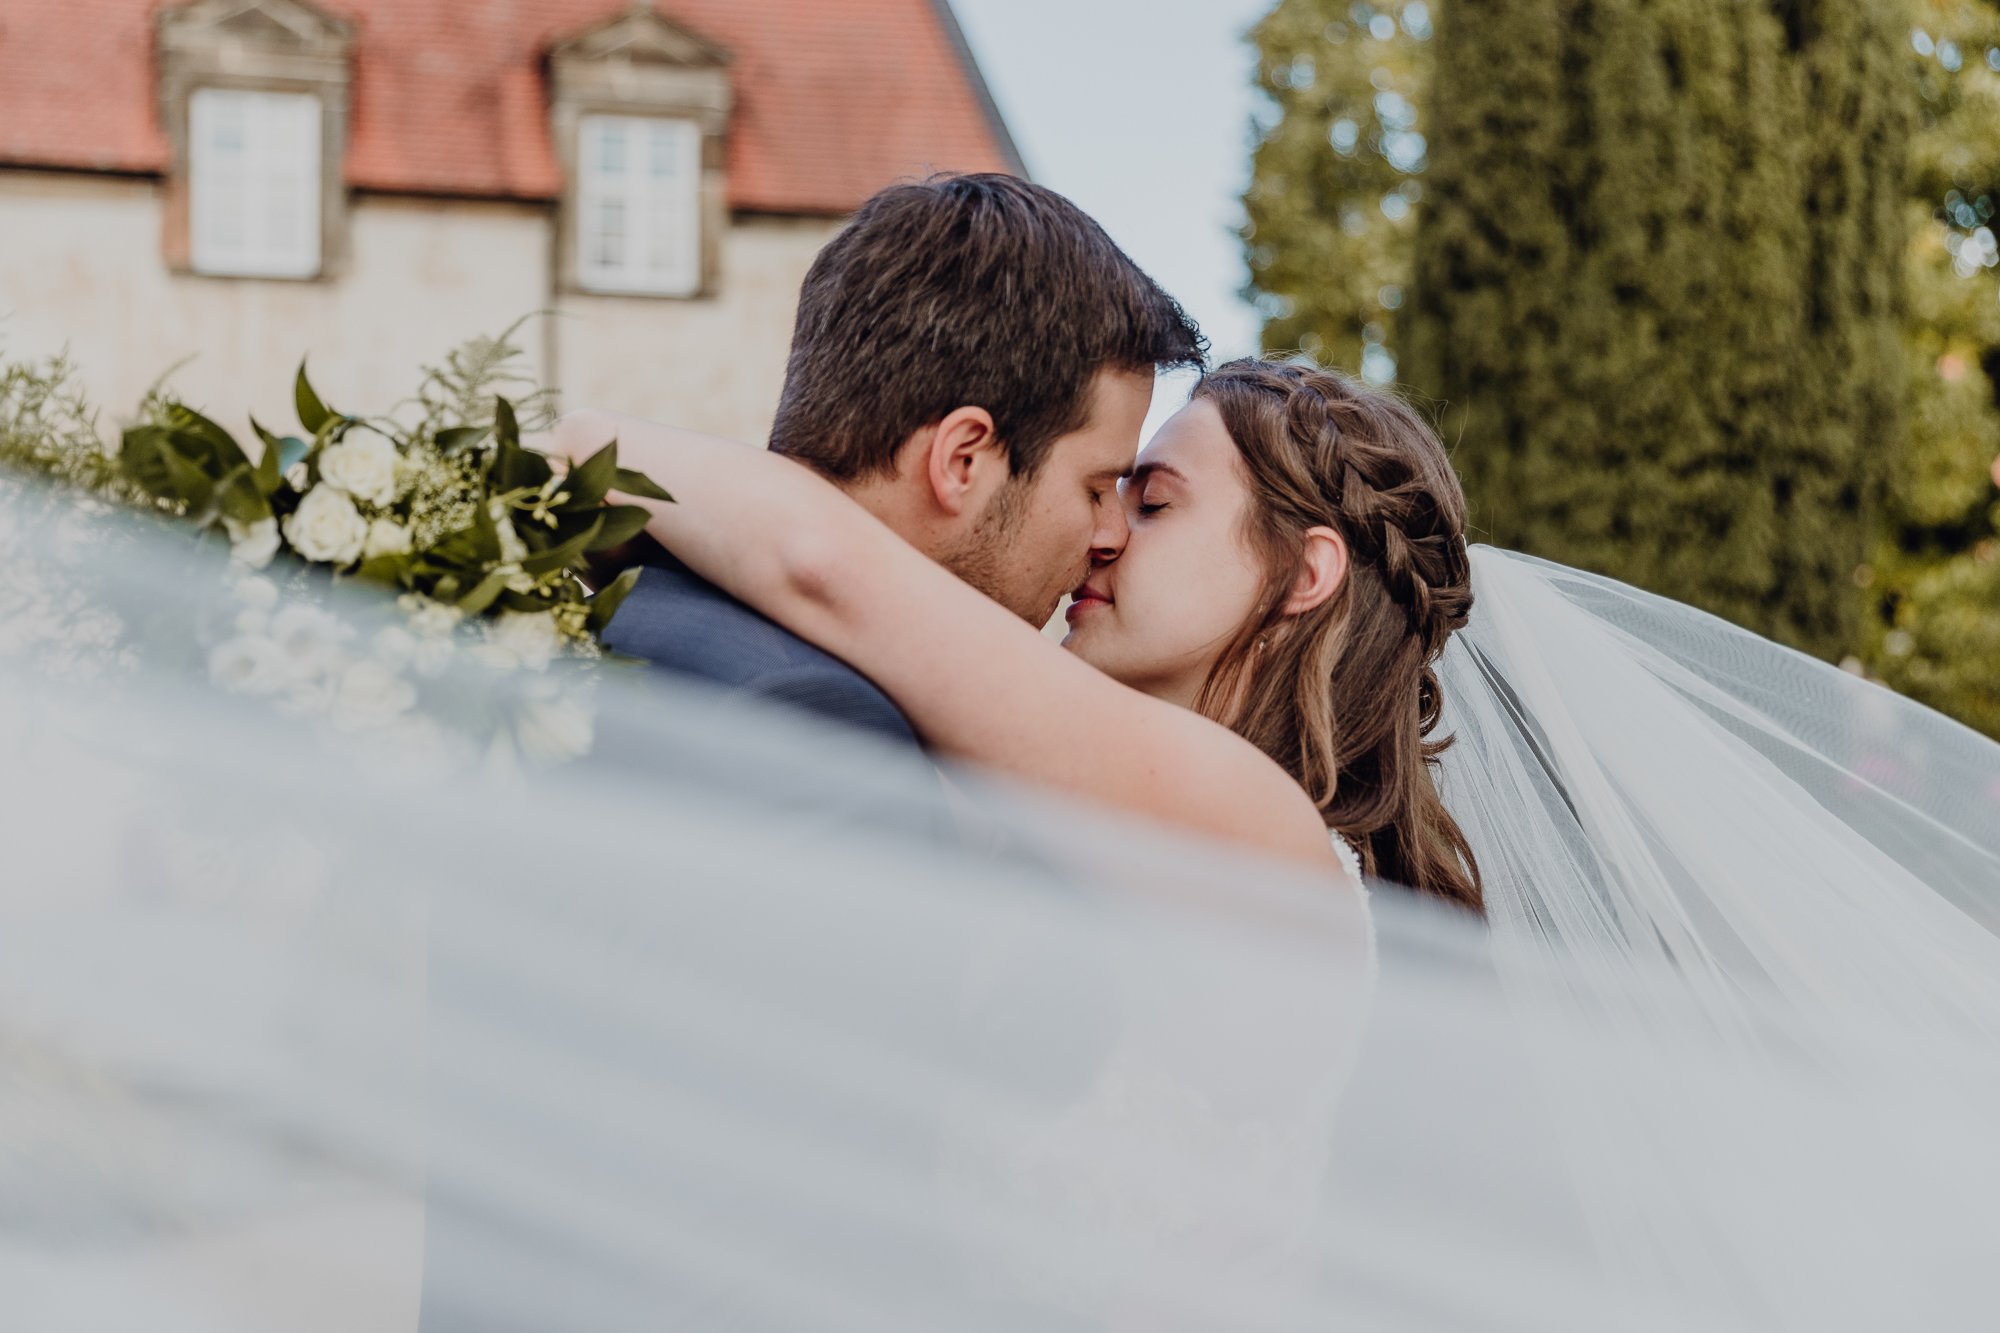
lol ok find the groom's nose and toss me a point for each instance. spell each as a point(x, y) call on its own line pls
point(1112, 531)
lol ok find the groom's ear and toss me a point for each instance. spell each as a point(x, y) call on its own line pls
point(1322, 569)
point(962, 459)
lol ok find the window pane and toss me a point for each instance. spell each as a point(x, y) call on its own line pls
point(609, 231)
point(665, 146)
point(254, 182)
point(637, 208)
point(609, 146)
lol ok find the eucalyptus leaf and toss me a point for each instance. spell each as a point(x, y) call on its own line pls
point(313, 414)
point(589, 480)
point(295, 451)
point(238, 497)
point(270, 470)
point(482, 596)
point(389, 569)
point(620, 524)
point(521, 601)
point(506, 425)
point(556, 557)
point(187, 482)
point(608, 599)
point(203, 441)
point(629, 482)
point(454, 438)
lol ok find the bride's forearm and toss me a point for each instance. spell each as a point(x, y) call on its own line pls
point(755, 524)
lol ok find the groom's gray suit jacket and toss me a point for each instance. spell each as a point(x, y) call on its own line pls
point(681, 623)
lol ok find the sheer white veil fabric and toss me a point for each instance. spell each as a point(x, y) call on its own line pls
point(1809, 855)
point(736, 1024)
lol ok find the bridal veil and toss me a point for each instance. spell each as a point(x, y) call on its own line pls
point(337, 1020)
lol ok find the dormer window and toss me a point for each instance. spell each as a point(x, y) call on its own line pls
point(640, 113)
point(254, 183)
point(253, 95)
point(639, 205)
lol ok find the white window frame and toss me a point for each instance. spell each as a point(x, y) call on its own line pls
point(254, 181)
point(657, 250)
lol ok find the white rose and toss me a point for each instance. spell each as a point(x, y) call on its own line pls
point(529, 637)
point(554, 730)
point(363, 465)
point(386, 537)
point(297, 475)
point(249, 664)
point(370, 694)
point(252, 545)
point(327, 527)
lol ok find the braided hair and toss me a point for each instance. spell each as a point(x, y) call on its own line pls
point(1345, 696)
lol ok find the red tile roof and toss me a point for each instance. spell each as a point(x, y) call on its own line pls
point(834, 98)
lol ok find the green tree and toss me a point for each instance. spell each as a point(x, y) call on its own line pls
point(1657, 290)
point(1933, 588)
point(1335, 180)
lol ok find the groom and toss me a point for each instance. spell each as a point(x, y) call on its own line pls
point(972, 362)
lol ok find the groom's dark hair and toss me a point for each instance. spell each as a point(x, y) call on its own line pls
point(966, 291)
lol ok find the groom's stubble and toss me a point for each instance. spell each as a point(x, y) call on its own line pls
point(982, 556)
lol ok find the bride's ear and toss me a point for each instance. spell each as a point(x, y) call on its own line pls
point(1321, 571)
point(958, 460)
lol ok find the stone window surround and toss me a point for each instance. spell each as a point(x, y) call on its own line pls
point(641, 65)
point(272, 46)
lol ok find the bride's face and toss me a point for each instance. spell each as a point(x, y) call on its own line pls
point(1159, 615)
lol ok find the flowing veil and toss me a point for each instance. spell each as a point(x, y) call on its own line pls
point(373, 1015)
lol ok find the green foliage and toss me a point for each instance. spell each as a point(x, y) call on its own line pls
point(1335, 181)
point(455, 510)
point(1754, 208)
point(1933, 587)
point(48, 429)
point(1656, 288)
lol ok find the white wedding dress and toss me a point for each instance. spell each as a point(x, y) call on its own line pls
point(684, 1035)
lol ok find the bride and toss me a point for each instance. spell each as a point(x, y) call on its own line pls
point(1297, 562)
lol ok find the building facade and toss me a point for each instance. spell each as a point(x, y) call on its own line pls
point(226, 186)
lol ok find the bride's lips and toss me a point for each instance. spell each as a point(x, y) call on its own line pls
point(1085, 600)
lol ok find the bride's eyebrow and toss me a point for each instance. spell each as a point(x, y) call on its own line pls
point(1145, 470)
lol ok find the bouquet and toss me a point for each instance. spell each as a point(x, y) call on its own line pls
point(479, 543)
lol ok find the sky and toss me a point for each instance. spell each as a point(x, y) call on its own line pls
point(1140, 111)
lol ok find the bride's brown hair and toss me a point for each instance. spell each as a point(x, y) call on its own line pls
point(1345, 695)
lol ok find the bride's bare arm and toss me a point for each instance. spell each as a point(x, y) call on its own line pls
point(974, 680)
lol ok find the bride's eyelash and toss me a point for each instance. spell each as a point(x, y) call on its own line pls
point(1145, 508)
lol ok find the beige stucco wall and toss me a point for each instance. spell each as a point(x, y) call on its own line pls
point(714, 364)
point(80, 266)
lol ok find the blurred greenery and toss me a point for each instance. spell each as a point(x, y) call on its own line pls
point(1932, 590)
point(1701, 286)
